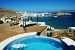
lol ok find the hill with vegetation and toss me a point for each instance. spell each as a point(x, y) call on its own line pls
point(4, 12)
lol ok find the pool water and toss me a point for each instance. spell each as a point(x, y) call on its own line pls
point(40, 46)
point(37, 43)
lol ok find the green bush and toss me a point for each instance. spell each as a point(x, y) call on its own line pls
point(73, 39)
point(1, 22)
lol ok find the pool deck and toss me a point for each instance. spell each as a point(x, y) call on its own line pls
point(7, 31)
point(35, 28)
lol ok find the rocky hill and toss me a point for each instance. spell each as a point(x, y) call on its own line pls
point(4, 12)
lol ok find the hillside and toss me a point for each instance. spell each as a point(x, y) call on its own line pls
point(8, 12)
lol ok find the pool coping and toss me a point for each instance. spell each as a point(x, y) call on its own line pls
point(7, 41)
point(68, 41)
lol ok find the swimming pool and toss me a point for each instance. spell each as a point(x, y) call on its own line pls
point(36, 43)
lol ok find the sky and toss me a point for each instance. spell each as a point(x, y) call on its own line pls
point(38, 5)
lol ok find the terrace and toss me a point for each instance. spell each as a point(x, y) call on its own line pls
point(7, 31)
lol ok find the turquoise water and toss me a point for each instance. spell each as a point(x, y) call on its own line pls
point(40, 46)
point(57, 22)
point(37, 43)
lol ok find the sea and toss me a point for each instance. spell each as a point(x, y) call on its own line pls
point(60, 22)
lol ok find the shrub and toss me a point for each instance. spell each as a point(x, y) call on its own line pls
point(73, 39)
point(1, 22)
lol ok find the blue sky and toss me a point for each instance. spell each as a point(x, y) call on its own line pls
point(38, 5)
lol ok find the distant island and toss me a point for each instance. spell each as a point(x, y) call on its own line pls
point(67, 11)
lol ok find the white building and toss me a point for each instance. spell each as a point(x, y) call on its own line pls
point(5, 20)
point(25, 14)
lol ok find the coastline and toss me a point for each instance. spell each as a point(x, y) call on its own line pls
point(56, 22)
